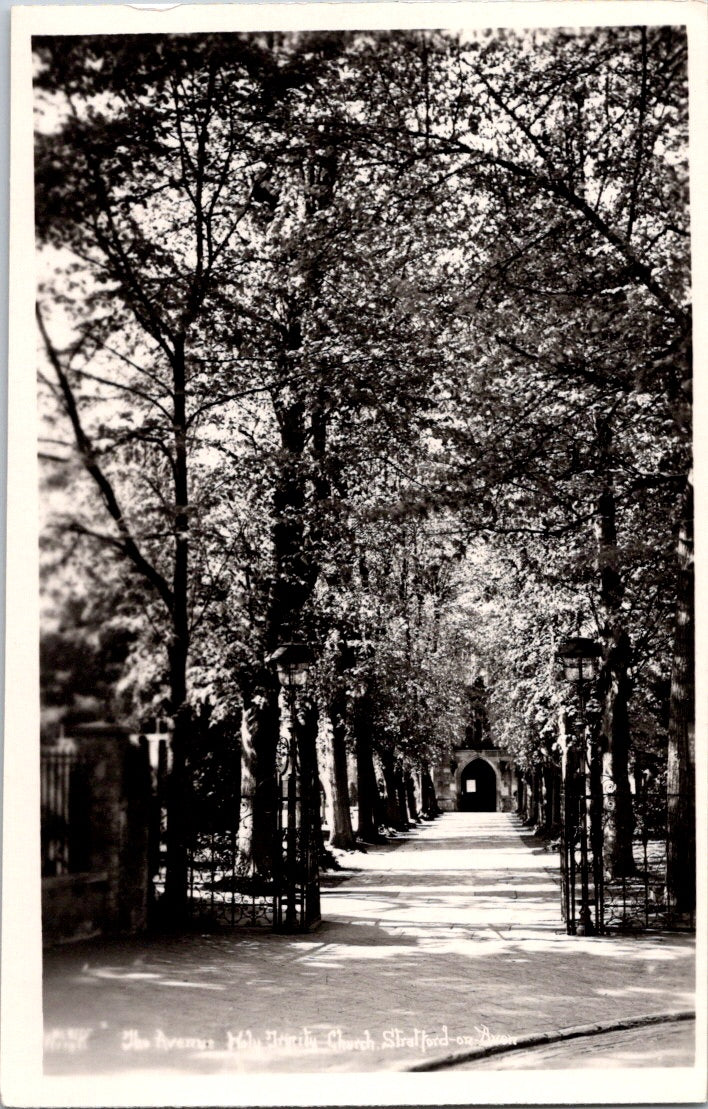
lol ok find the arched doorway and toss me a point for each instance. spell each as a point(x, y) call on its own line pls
point(478, 787)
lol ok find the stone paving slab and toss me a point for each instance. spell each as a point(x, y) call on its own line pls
point(442, 940)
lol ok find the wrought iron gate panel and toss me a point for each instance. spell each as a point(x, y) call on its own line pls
point(638, 902)
point(589, 891)
point(300, 893)
point(225, 891)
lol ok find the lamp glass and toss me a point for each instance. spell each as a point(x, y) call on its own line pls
point(299, 674)
point(293, 674)
point(579, 666)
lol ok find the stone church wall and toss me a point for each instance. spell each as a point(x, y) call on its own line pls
point(447, 778)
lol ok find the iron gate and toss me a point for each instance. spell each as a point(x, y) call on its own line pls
point(638, 901)
point(593, 901)
point(65, 792)
point(225, 890)
point(581, 854)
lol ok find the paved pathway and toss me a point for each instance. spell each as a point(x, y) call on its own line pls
point(440, 941)
point(667, 1045)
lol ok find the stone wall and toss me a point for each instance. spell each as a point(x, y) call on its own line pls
point(447, 777)
point(111, 894)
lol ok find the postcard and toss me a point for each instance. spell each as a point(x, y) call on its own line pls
point(352, 739)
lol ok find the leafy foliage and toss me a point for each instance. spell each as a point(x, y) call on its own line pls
point(370, 339)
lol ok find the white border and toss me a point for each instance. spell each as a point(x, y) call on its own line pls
point(21, 1030)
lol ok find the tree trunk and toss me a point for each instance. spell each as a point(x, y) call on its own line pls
point(411, 798)
point(402, 799)
point(296, 567)
point(309, 805)
point(257, 849)
point(528, 797)
point(324, 749)
point(336, 778)
point(519, 793)
point(367, 790)
point(615, 687)
point(548, 791)
point(291, 585)
point(429, 800)
point(391, 804)
point(178, 807)
point(681, 811)
point(534, 797)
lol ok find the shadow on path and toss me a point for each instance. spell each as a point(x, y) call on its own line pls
point(451, 935)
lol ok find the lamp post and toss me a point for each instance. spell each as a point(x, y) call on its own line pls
point(293, 662)
point(579, 658)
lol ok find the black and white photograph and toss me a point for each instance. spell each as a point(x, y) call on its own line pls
point(359, 722)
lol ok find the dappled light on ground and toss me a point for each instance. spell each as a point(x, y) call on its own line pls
point(445, 937)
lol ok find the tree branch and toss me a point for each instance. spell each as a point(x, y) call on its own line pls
point(126, 543)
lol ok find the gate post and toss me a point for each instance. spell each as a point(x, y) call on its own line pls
point(585, 926)
point(300, 884)
point(290, 883)
point(568, 828)
point(597, 833)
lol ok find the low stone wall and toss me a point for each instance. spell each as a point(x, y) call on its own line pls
point(111, 894)
point(73, 906)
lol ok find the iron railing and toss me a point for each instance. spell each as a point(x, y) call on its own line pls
point(638, 901)
point(228, 889)
point(593, 899)
point(65, 812)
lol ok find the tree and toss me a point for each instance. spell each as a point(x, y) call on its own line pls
point(681, 786)
point(579, 149)
point(372, 302)
point(145, 171)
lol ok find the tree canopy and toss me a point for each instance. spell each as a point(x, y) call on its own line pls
point(379, 339)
